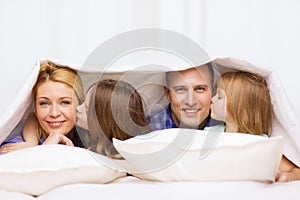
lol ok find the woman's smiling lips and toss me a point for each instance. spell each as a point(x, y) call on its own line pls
point(55, 124)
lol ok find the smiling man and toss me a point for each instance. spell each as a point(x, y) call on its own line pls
point(189, 93)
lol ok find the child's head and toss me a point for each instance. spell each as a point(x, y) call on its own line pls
point(247, 102)
point(115, 110)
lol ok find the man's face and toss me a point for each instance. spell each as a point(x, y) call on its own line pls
point(189, 94)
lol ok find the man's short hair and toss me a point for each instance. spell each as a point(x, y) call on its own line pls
point(211, 68)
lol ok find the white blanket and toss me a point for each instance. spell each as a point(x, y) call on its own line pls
point(286, 122)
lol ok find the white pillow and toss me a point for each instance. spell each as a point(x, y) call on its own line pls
point(195, 155)
point(39, 169)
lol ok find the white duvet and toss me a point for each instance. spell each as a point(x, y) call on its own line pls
point(286, 122)
point(286, 125)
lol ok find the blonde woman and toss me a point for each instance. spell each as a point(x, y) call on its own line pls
point(56, 94)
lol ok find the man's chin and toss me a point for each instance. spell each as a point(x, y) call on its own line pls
point(189, 124)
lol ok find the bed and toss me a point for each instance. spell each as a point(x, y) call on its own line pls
point(29, 174)
point(133, 188)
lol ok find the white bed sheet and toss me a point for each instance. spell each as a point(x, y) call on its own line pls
point(133, 188)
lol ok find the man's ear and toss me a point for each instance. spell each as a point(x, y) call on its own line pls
point(167, 92)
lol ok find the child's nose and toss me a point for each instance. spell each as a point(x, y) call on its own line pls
point(80, 108)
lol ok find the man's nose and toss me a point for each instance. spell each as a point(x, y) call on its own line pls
point(191, 99)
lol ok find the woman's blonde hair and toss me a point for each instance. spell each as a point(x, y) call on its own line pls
point(248, 102)
point(118, 110)
point(50, 71)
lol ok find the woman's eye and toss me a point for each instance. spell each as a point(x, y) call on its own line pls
point(66, 103)
point(43, 103)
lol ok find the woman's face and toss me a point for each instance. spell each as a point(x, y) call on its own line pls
point(218, 106)
point(56, 107)
point(82, 111)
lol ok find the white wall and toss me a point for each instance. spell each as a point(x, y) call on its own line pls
point(72, 29)
point(264, 32)
point(64, 29)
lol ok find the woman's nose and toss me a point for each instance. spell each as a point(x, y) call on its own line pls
point(55, 111)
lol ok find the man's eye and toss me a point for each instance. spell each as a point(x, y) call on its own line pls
point(180, 90)
point(200, 89)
